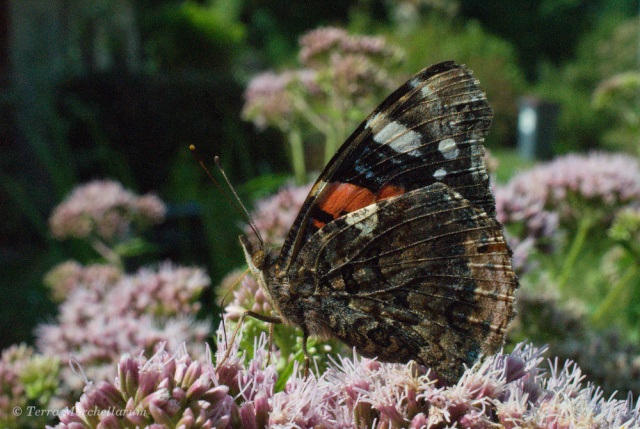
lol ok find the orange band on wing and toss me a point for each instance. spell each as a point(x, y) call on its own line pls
point(342, 198)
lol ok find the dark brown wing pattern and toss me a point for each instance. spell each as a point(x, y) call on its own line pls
point(425, 275)
point(429, 130)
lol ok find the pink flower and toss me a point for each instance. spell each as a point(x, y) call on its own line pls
point(511, 390)
point(274, 215)
point(557, 191)
point(167, 390)
point(248, 295)
point(537, 203)
point(269, 97)
point(347, 69)
point(100, 320)
point(322, 41)
point(104, 209)
point(66, 277)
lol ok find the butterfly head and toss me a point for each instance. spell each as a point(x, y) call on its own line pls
point(255, 255)
point(262, 265)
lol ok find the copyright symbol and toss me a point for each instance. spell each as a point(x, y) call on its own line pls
point(17, 411)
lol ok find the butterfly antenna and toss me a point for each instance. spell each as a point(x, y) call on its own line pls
point(216, 159)
point(224, 297)
point(237, 204)
point(233, 286)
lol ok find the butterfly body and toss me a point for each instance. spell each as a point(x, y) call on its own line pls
point(396, 250)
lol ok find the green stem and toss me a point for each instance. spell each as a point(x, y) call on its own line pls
point(632, 251)
point(578, 242)
point(307, 113)
point(330, 147)
point(338, 123)
point(297, 156)
point(109, 255)
point(614, 294)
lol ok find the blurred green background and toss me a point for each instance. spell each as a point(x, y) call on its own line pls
point(120, 88)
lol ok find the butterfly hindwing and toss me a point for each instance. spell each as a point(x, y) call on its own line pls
point(425, 275)
point(429, 130)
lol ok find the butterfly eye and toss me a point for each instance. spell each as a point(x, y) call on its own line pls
point(258, 259)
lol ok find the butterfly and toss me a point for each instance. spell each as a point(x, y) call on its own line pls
point(396, 250)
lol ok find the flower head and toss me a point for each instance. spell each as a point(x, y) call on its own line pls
point(269, 98)
point(105, 209)
point(510, 390)
point(320, 43)
point(67, 276)
point(347, 69)
point(99, 320)
point(167, 390)
point(557, 191)
point(26, 379)
point(538, 203)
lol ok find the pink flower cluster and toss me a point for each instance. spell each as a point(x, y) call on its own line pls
point(104, 209)
point(246, 296)
point(335, 65)
point(66, 277)
point(535, 204)
point(172, 390)
point(166, 391)
point(319, 43)
point(104, 315)
point(556, 191)
point(269, 97)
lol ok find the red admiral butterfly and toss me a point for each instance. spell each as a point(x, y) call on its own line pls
point(397, 250)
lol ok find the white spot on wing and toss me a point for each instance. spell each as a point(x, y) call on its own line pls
point(372, 119)
point(440, 173)
point(364, 219)
point(427, 92)
point(399, 138)
point(448, 148)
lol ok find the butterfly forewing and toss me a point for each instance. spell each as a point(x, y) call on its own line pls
point(396, 250)
point(429, 130)
point(424, 276)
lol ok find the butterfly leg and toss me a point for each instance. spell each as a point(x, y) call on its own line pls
point(262, 317)
point(307, 359)
point(271, 328)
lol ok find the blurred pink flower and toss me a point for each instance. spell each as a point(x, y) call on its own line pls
point(100, 321)
point(248, 295)
point(67, 276)
point(274, 215)
point(536, 204)
point(349, 70)
point(105, 209)
point(551, 193)
point(321, 42)
point(268, 98)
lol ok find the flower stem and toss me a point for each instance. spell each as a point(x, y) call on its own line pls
point(576, 246)
point(297, 156)
point(614, 294)
point(107, 253)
